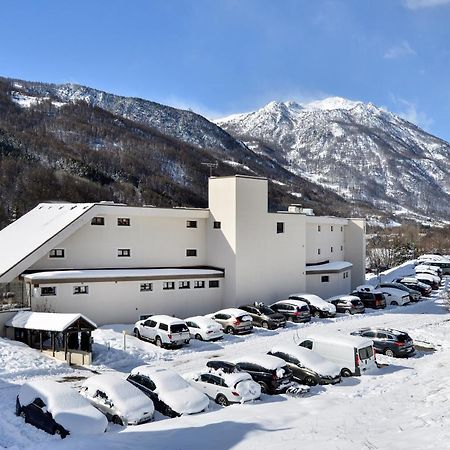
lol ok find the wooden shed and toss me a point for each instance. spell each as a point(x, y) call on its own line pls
point(64, 336)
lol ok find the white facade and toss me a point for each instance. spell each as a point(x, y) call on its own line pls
point(257, 255)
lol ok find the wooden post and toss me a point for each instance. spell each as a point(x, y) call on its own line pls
point(52, 333)
point(40, 340)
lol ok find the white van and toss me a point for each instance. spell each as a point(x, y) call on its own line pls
point(353, 354)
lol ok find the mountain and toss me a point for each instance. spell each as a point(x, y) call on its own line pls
point(360, 151)
point(75, 143)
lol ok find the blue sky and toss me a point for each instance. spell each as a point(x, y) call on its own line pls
point(224, 56)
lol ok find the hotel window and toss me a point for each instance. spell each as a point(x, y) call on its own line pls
point(123, 252)
point(280, 227)
point(168, 285)
point(191, 224)
point(214, 284)
point(191, 252)
point(318, 228)
point(217, 225)
point(342, 228)
point(325, 279)
point(98, 221)
point(332, 228)
point(318, 251)
point(199, 284)
point(80, 290)
point(50, 290)
point(331, 249)
point(56, 253)
point(123, 222)
point(342, 248)
point(184, 285)
point(146, 287)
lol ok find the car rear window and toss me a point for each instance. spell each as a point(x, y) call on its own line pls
point(403, 338)
point(365, 353)
point(378, 296)
point(178, 328)
point(356, 302)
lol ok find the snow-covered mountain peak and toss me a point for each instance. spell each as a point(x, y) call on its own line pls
point(332, 103)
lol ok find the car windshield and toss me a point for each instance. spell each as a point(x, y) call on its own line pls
point(266, 310)
point(178, 328)
point(365, 353)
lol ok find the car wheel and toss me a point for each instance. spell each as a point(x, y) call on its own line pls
point(290, 319)
point(229, 330)
point(389, 352)
point(23, 415)
point(265, 325)
point(394, 303)
point(158, 342)
point(316, 314)
point(222, 400)
point(136, 333)
point(346, 373)
point(348, 312)
point(199, 337)
point(117, 420)
point(310, 381)
point(264, 387)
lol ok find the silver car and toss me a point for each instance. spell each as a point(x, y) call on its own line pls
point(233, 320)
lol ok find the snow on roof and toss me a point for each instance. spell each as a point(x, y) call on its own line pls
point(36, 230)
point(340, 339)
point(45, 321)
point(267, 361)
point(163, 378)
point(232, 312)
point(166, 319)
point(343, 297)
point(114, 274)
point(298, 303)
point(205, 321)
point(335, 266)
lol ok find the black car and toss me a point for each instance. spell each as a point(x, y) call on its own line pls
point(414, 295)
point(263, 316)
point(374, 300)
point(414, 283)
point(293, 310)
point(389, 341)
point(347, 304)
point(271, 373)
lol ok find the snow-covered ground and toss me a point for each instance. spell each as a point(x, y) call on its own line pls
point(404, 405)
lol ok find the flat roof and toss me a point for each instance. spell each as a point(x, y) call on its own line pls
point(331, 267)
point(67, 276)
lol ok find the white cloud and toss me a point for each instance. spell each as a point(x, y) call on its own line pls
point(400, 51)
point(418, 4)
point(408, 110)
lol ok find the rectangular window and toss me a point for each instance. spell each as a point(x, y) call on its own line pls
point(146, 287)
point(123, 222)
point(214, 284)
point(217, 225)
point(342, 228)
point(56, 253)
point(325, 279)
point(332, 228)
point(342, 248)
point(318, 228)
point(184, 285)
point(318, 251)
point(50, 290)
point(168, 285)
point(98, 221)
point(343, 276)
point(199, 284)
point(280, 227)
point(123, 252)
point(331, 249)
point(191, 252)
point(191, 224)
point(80, 290)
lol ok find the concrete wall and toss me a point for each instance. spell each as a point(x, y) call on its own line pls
point(355, 249)
point(337, 284)
point(123, 302)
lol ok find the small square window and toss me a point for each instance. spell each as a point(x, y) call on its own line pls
point(49, 290)
point(123, 222)
point(123, 252)
point(214, 284)
point(184, 285)
point(56, 253)
point(98, 221)
point(331, 249)
point(332, 228)
point(325, 279)
point(80, 290)
point(318, 228)
point(217, 225)
point(191, 252)
point(318, 251)
point(168, 285)
point(191, 224)
point(199, 284)
point(146, 287)
point(280, 227)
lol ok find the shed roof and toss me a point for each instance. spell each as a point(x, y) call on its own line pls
point(331, 267)
point(45, 321)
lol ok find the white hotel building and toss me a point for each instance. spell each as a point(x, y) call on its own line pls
point(114, 263)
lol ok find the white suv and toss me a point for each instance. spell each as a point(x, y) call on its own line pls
point(164, 331)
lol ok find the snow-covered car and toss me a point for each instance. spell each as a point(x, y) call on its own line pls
point(58, 409)
point(224, 386)
point(233, 320)
point(347, 304)
point(120, 401)
point(203, 328)
point(270, 372)
point(307, 367)
point(164, 331)
point(427, 268)
point(414, 295)
point(293, 310)
point(318, 306)
point(171, 394)
point(414, 283)
point(394, 296)
point(432, 280)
